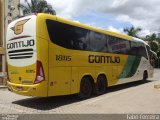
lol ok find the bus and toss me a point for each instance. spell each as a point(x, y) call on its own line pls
point(50, 56)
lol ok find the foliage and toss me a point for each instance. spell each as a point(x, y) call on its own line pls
point(153, 42)
point(151, 37)
point(132, 31)
point(154, 46)
point(36, 6)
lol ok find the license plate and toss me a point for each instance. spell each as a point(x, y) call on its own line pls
point(19, 88)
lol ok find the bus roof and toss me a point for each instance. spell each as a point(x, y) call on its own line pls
point(63, 20)
point(140, 40)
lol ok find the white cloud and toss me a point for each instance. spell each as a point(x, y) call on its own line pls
point(140, 13)
point(143, 13)
point(117, 3)
point(65, 8)
point(76, 21)
point(113, 29)
point(144, 32)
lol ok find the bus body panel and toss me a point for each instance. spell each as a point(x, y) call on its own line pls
point(42, 50)
point(64, 68)
point(28, 90)
point(21, 50)
point(136, 75)
point(24, 49)
point(59, 75)
point(59, 79)
point(75, 81)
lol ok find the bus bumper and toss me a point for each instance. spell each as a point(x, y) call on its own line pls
point(27, 90)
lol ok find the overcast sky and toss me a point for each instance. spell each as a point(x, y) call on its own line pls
point(112, 14)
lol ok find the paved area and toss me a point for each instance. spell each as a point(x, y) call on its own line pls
point(137, 97)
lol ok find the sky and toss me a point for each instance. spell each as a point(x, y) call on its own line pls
point(114, 15)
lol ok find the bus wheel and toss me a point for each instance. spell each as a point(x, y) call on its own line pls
point(145, 76)
point(85, 88)
point(100, 86)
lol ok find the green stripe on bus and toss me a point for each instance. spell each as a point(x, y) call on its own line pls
point(130, 67)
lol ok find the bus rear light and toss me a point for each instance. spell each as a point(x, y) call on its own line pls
point(40, 73)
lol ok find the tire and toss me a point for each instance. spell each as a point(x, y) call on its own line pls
point(85, 88)
point(100, 86)
point(145, 76)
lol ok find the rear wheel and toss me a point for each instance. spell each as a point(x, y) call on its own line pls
point(100, 86)
point(85, 88)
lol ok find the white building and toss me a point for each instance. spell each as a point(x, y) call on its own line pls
point(8, 11)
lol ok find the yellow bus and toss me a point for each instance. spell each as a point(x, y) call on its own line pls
point(51, 56)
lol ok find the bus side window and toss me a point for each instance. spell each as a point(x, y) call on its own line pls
point(97, 42)
point(116, 45)
point(80, 41)
point(138, 49)
point(110, 43)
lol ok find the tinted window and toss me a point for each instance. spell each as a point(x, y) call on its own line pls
point(79, 40)
point(142, 51)
point(118, 45)
point(72, 37)
point(124, 46)
point(113, 44)
point(68, 36)
point(138, 49)
point(98, 42)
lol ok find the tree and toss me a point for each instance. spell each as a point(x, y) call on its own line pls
point(153, 42)
point(151, 38)
point(36, 6)
point(132, 31)
point(154, 46)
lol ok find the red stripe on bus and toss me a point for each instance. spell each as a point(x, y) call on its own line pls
point(15, 38)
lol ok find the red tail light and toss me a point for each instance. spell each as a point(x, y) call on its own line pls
point(40, 73)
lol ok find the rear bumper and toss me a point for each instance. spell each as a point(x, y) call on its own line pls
point(37, 90)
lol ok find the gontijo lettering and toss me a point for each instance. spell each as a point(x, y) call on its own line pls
point(103, 59)
point(20, 44)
